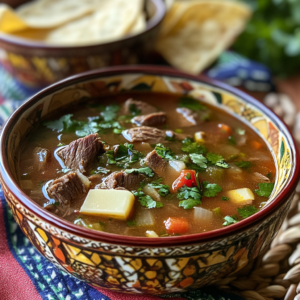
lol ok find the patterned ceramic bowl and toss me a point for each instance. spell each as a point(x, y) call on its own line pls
point(138, 264)
point(36, 65)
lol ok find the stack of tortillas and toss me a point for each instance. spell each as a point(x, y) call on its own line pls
point(195, 32)
point(72, 23)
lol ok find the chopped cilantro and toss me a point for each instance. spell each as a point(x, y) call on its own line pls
point(243, 164)
point(264, 189)
point(191, 103)
point(194, 167)
point(110, 112)
point(211, 189)
point(87, 129)
point(64, 170)
point(170, 138)
point(110, 157)
point(117, 131)
point(188, 176)
point(178, 130)
point(60, 144)
point(247, 211)
point(146, 200)
point(189, 192)
point(134, 110)
point(131, 223)
point(164, 189)
point(230, 220)
point(63, 124)
point(191, 147)
point(231, 140)
point(199, 160)
point(217, 160)
point(164, 152)
point(240, 131)
point(183, 157)
point(145, 171)
point(100, 170)
point(225, 198)
point(189, 203)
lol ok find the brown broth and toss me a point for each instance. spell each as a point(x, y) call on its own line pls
point(262, 162)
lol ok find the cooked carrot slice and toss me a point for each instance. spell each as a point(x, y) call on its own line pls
point(225, 129)
point(256, 145)
point(176, 225)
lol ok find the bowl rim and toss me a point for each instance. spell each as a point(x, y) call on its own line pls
point(151, 24)
point(111, 238)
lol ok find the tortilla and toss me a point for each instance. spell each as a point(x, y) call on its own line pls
point(199, 31)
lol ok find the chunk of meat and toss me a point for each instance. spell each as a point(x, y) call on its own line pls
point(66, 188)
point(156, 163)
point(144, 134)
point(186, 117)
point(153, 119)
point(118, 180)
point(143, 107)
point(81, 153)
point(42, 157)
point(258, 177)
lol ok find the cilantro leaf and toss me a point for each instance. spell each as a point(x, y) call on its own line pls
point(243, 164)
point(146, 200)
point(110, 112)
point(87, 129)
point(189, 203)
point(62, 124)
point(134, 110)
point(211, 189)
point(230, 220)
point(191, 147)
point(110, 157)
point(100, 170)
point(189, 192)
point(217, 160)
point(247, 211)
point(225, 198)
point(164, 152)
point(164, 189)
point(265, 189)
point(194, 167)
point(145, 171)
point(231, 140)
point(189, 102)
point(131, 223)
point(199, 160)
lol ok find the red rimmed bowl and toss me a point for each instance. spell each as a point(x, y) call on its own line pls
point(36, 65)
point(138, 264)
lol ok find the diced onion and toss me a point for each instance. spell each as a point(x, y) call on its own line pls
point(84, 179)
point(177, 165)
point(144, 218)
point(152, 192)
point(203, 214)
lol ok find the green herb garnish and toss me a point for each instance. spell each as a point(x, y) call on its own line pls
point(211, 189)
point(231, 140)
point(145, 171)
point(230, 220)
point(240, 131)
point(264, 189)
point(243, 164)
point(134, 110)
point(199, 160)
point(191, 147)
point(217, 160)
point(100, 170)
point(191, 103)
point(146, 200)
point(225, 198)
point(110, 112)
point(164, 152)
point(189, 203)
point(131, 223)
point(189, 192)
point(247, 211)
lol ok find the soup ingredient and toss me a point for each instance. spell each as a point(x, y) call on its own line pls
point(146, 200)
point(144, 218)
point(154, 119)
point(81, 153)
point(199, 137)
point(265, 189)
point(194, 33)
point(211, 189)
point(136, 107)
point(186, 178)
point(187, 117)
point(115, 204)
point(176, 225)
point(203, 214)
point(66, 188)
point(43, 157)
point(156, 163)
point(247, 211)
point(145, 171)
point(230, 220)
point(151, 234)
point(144, 134)
point(150, 190)
point(242, 196)
point(177, 165)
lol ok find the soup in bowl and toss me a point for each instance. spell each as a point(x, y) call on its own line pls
point(146, 179)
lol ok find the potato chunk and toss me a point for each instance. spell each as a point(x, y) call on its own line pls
point(115, 204)
point(241, 196)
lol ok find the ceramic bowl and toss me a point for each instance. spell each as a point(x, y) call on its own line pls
point(139, 264)
point(36, 65)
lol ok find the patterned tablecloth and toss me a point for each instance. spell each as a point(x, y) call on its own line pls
point(24, 273)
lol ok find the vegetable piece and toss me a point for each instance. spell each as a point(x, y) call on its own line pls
point(217, 211)
point(217, 160)
point(243, 164)
point(110, 112)
point(83, 223)
point(164, 152)
point(181, 180)
point(240, 131)
point(265, 189)
point(115, 204)
point(225, 198)
point(146, 200)
point(176, 225)
point(151, 234)
point(131, 223)
point(256, 145)
point(225, 129)
point(191, 147)
point(203, 214)
point(211, 189)
point(84, 180)
point(231, 140)
point(199, 160)
point(199, 137)
point(100, 170)
point(242, 196)
point(164, 189)
point(215, 173)
point(177, 165)
point(247, 211)
point(230, 220)
point(144, 218)
point(189, 192)
point(145, 171)
point(189, 203)
point(151, 191)
point(191, 103)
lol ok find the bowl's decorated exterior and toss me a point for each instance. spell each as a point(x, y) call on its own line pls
point(36, 65)
point(137, 264)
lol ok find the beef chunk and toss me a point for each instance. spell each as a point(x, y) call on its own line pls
point(81, 153)
point(153, 119)
point(144, 134)
point(119, 180)
point(186, 117)
point(143, 107)
point(66, 188)
point(156, 163)
point(42, 157)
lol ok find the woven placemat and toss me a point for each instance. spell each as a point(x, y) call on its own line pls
point(275, 274)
